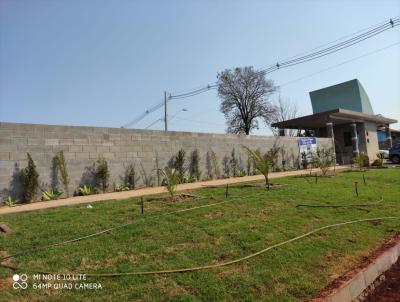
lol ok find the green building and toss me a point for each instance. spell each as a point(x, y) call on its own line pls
point(344, 113)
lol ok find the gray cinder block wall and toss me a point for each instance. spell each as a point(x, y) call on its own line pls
point(82, 146)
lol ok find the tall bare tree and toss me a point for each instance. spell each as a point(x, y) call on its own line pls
point(285, 111)
point(244, 95)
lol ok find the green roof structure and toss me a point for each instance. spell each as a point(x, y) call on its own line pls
point(348, 95)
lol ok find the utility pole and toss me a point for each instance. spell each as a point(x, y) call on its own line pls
point(165, 112)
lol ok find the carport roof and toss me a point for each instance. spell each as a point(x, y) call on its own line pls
point(337, 116)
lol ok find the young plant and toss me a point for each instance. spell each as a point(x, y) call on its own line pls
point(30, 180)
point(51, 194)
point(262, 163)
point(215, 165)
point(380, 158)
point(102, 174)
point(86, 190)
point(121, 188)
point(195, 165)
point(158, 170)
point(360, 160)
point(131, 176)
point(9, 201)
point(234, 163)
point(179, 165)
point(323, 158)
point(62, 169)
point(147, 179)
point(171, 180)
point(272, 156)
point(249, 164)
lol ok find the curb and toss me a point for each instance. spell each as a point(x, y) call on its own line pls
point(353, 288)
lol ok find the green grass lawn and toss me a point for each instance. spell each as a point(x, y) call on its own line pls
point(252, 220)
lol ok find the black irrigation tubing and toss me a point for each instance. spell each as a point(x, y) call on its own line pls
point(341, 206)
point(41, 248)
point(211, 266)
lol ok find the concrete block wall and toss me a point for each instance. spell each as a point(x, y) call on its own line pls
point(82, 146)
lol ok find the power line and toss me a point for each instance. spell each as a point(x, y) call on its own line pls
point(310, 56)
point(340, 64)
point(304, 77)
point(287, 63)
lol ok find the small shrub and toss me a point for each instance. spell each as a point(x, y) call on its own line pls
point(189, 179)
point(195, 165)
point(158, 170)
point(207, 178)
point(180, 165)
point(215, 165)
point(380, 158)
point(263, 163)
point(62, 169)
point(324, 158)
point(170, 180)
point(233, 162)
point(86, 190)
point(360, 160)
point(121, 187)
point(102, 174)
point(30, 180)
point(131, 176)
point(51, 194)
point(249, 165)
point(147, 179)
point(242, 173)
point(9, 201)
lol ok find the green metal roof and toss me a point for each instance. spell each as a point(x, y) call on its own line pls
point(348, 95)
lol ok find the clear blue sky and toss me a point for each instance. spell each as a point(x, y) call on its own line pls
point(101, 63)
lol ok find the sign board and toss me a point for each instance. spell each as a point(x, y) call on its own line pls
point(307, 145)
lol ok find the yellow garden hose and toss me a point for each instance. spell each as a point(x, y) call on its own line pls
point(211, 266)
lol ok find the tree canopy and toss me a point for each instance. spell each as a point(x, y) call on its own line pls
point(244, 94)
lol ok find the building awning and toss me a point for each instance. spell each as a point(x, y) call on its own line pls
point(337, 116)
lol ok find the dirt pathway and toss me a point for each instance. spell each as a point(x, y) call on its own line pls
point(143, 192)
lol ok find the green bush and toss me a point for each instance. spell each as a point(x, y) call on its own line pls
point(180, 165)
point(51, 194)
point(215, 165)
point(195, 165)
point(360, 160)
point(324, 158)
point(170, 180)
point(233, 161)
point(86, 190)
point(131, 176)
point(121, 187)
point(62, 169)
point(9, 201)
point(30, 180)
point(102, 174)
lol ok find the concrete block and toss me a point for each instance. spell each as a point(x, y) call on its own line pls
point(18, 155)
point(82, 155)
point(89, 148)
point(108, 155)
point(4, 155)
point(8, 148)
point(81, 141)
point(65, 141)
point(103, 149)
point(5, 141)
point(51, 142)
point(94, 155)
point(74, 148)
